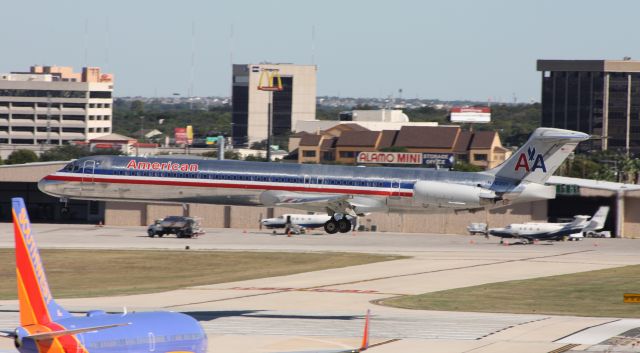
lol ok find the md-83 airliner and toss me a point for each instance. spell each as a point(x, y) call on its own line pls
point(45, 326)
point(337, 190)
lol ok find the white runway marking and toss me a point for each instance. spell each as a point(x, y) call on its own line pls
point(601, 333)
point(461, 326)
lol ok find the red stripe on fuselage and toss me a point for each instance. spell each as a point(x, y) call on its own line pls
point(228, 186)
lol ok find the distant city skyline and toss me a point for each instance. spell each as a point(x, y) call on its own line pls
point(453, 50)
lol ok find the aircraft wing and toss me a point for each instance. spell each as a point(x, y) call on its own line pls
point(339, 203)
point(278, 198)
point(592, 184)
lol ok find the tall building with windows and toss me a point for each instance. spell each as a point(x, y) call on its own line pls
point(55, 104)
point(296, 101)
point(599, 97)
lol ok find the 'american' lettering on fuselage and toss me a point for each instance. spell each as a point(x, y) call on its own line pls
point(169, 166)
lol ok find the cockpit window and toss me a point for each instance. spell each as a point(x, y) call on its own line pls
point(68, 167)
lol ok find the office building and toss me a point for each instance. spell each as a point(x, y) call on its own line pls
point(54, 104)
point(296, 101)
point(599, 97)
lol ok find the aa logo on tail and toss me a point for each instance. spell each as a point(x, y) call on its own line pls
point(531, 161)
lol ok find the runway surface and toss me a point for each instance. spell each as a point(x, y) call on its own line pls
point(324, 309)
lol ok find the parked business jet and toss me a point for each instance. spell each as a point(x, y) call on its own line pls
point(336, 190)
point(296, 220)
point(553, 231)
point(47, 327)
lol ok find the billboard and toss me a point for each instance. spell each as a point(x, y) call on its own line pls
point(389, 157)
point(180, 134)
point(434, 160)
point(189, 134)
point(438, 160)
point(470, 115)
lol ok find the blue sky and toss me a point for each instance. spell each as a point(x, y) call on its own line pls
point(457, 49)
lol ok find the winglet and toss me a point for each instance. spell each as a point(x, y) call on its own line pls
point(37, 305)
point(365, 336)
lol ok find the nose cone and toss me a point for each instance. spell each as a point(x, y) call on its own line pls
point(46, 186)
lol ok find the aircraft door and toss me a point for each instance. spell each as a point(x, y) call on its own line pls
point(88, 170)
point(152, 342)
point(395, 189)
point(310, 181)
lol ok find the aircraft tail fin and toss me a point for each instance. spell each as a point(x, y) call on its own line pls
point(598, 219)
point(540, 156)
point(37, 305)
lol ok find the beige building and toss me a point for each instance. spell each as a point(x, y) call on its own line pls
point(55, 104)
point(295, 102)
point(343, 142)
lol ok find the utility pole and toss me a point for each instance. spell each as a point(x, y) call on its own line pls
point(269, 125)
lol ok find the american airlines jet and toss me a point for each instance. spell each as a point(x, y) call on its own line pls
point(337, 190)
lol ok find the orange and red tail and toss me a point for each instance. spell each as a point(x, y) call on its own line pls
point(37, 305)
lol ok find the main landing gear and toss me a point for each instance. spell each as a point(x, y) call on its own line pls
point(333, 226)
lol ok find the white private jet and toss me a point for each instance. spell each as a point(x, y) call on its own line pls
point(291, 220)
point(553, 231)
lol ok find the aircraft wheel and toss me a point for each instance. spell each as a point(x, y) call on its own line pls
point(331, 226)
point(344, 225)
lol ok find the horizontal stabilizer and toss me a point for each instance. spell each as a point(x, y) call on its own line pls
point(54, 334)
point(7, 334)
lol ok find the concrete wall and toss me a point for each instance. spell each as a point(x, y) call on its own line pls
point(125, 213)
point(244, 217)
point(631, 225)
